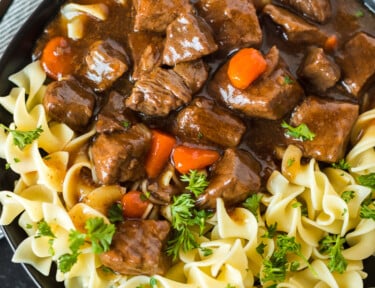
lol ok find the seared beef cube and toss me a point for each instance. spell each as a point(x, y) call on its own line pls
point(114, 116)
point(295, 28)
point(138, 248)
point(205, 122)
point(331, 121)
point(358, 62)
point(120, 156)
point(194, 73)
point(271, 96)
point(319, 70)
point(188, 38)
point(317, 10)
point(234, 22)
point(68, 102)
point(106, 61)
point(158, 93)
point(155, 16)
point(234, 178)
point(147, 50)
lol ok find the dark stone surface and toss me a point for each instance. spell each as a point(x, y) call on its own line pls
point(12, 275)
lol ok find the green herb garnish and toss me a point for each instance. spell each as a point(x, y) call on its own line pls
point(197, 182)
point(301, 132)
point(332, 245)
point(22, 138)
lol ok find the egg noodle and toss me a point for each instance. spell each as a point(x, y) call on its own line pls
point(304, 203)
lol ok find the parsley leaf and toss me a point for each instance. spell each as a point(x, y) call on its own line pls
point(115, 213)
point(252, 203)
point(153, 282)
point(66, 261)
point(367, 212)
point(367, 180)
point(347, 195)
point(44, 230)
point(184, 217)
point(100, 234)
point(271, 231)
point(342, 164)
point(288, 80)
point(301, 132)
point(332, 246)
point(23, 138)
point(197, 182)
point(260, 248)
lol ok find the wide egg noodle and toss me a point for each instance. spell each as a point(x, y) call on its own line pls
point(76, 14)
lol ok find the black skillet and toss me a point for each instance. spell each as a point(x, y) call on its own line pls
point(18, 55)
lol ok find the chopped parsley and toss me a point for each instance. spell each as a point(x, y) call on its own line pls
point(260, 248)
point(185, 217)
point(153, 282)
point(23, 138)
point(252, 203)
point(276, 266)
point(301, 132)
point(366, 211)
point(45, 230)
point(126, 124)
point(342, 164)
point(332, 245)
point(288, 80)
point(290, 162)
point(197, 182)
point(367, 180)
point(271, 231)
point(359, 14)
point(347, 195)
point(115, 213)
point(98, 232)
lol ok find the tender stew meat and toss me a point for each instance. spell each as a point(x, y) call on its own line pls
point(163, 66)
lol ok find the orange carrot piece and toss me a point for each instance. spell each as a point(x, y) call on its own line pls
point(161, 148)
point(57, 57)
point(331, 43)
point(246, 66)
point(188, 158)
point(133, 206)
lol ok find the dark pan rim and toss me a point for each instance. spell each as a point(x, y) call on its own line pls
point(16, 56)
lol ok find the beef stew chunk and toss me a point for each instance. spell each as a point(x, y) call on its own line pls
point(269, 97)
point(235, 23)
point(188, 38)
point(358, 62)
point(114, 116)
point(331, 121)
point(158, 93)
point(68, 102)
point(120, 156)
point(106, 61)
point(317, 10)
point(296, 30)
point(234, 177)
point(138, 248)
point(155, 16)
point(147, 50)
point(205, 122)
point(194, 73)
point(321, 71)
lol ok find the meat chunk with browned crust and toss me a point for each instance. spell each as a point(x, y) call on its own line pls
point(235, 23)
point(271, 96)
point(158, 93)
point(138, 248)
point(68, 102)
point(234, 177)
point(296, 30)
point(105, 62)
point(188, 38)
point(155, 16)
point(120, 156)
point(316, 10)
point(194, 73)
point(331, 122)
point(358, 63)
point(320, 70)
point(207, 123)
